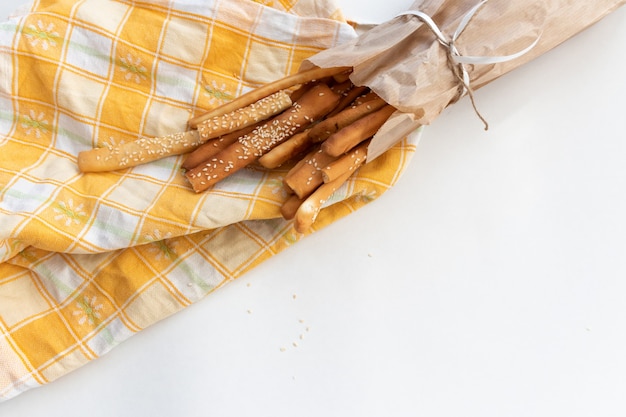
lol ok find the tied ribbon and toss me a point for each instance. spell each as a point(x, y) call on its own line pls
point(457, 60)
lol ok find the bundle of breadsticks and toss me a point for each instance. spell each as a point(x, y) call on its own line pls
point(351, 103)
point(317, 121)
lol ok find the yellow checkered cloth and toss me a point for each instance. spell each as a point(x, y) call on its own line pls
point(88, 260)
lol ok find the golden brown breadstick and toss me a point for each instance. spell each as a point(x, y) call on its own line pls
point(347, 163)
point(303, 88)
point(290, 207)
point(310, 208)
point(342, 87)
point(348, 98)
point(138, 152)
point(267, 89)
point(248, 148)
point(286, 151)
point(211, 147)
point(367, 96)
point(306, 176)
point(332, 124)
point(342, 76)
point(299, 92)
point(245, 116)
point(350, 136)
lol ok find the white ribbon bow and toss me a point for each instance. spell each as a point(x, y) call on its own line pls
point(459, 60)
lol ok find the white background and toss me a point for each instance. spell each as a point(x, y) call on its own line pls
point(491, 281)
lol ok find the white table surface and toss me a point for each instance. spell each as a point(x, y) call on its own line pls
point(491, 281)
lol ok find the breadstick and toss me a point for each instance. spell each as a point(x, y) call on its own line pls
point(290, 207)
point(347, 163)
point(367, 96)
point(342, 87)
point(332, 124)
point(303, 88)
point(248, 148)
point(211, 147)
point(138, 152)
point(342, 76)
point(306, 176)
point(267, 89)
point(310, 208)
point(245, 116)
point(299, 92)
point(350, 136)
point(286, 151)
point(347, 99)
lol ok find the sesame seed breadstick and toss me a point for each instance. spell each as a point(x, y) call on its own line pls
point(367, 96)
point(310, 208)
point(312, 106)
point(348, 98)
point(347, 163)
point(211, 147)
point(286, 151)
point(245, 116)
point(138, 152)
point(300, 89)
point(332, 124)
point(306, 176)
point(267, 89)
point(342, 87)
point(299, 92)
point(355, 133)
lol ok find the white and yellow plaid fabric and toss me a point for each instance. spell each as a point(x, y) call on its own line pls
point(88, 260)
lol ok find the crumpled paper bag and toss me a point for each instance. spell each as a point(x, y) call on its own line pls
point(404, 62)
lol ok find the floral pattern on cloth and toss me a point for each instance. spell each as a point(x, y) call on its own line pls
point(88, 260)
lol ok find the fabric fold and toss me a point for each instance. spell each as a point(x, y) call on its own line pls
point(87, 260)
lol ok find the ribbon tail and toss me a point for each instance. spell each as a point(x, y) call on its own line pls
point(428, 21)
point(466, 19)
point(486, 60)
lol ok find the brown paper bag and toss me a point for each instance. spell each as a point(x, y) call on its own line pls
point(405, 63)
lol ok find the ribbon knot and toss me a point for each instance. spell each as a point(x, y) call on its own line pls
point(458, 61)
